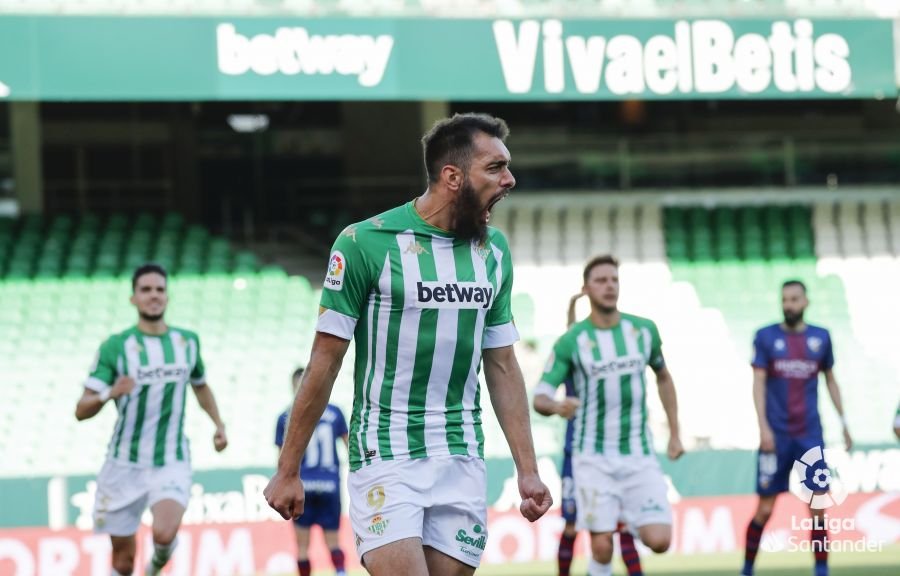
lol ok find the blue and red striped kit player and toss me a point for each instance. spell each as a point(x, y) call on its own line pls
point(787, 360)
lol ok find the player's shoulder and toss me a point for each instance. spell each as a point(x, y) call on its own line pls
point(117, 339)
point(570, 336)
point(497, 238)
point(638, 321)
point(769, 331)
point(816, 328)
point(179, 332)
point(816, 331)
point(372, 233)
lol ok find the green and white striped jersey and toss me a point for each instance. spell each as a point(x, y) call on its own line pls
point(608, 369)
point(150, 427)
point(421, 305)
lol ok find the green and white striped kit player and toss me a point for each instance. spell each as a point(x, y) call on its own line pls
point(149, 431)
point(608, 369)
point(615, 471)
point(421, 305)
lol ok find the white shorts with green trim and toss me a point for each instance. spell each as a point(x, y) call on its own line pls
point(610, 488)
point(440, 499)
point(125, 490)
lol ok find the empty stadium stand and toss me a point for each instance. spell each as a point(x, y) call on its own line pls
point(707, 270)
point(65, 288)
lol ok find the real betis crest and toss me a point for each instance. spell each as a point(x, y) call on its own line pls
point(379, 525)
point(483, 251)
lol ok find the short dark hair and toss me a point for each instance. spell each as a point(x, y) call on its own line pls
point(450, 141)
point(297, 373)
point(599, 261)
point(149, 268)
point(789, 283)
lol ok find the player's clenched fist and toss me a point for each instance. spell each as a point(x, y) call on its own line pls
point(536, 499)
point(220, 439)
point(568, 407)
point(122, 387)
point(284, 494)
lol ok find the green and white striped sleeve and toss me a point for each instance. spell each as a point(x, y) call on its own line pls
point(104, 370)
point(347, 284)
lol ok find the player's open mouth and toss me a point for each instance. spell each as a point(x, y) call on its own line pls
point(492, 203)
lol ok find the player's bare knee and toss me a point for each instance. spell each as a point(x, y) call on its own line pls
point(163, 536)
point(659, 544)
point(656, 537)
point(602, 547)
point(123, 563)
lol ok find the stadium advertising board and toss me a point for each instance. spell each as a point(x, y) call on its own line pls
point(234, 496)
point(107, 58)
point(229, 529)
point(701, 526)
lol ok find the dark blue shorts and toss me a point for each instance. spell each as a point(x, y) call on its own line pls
point(322, 508)
point(773, 469)
point(569, 511)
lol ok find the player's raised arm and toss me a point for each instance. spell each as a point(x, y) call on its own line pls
point(507, 389)
point(285, 492)
point(102, 383)
point(557, 371)
point(91, 401)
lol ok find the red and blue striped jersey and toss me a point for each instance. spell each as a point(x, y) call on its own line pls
point(792, 361)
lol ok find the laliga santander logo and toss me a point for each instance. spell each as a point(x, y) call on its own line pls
point(337, 265)
point(813, 482)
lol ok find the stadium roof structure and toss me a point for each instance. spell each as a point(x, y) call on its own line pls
point(464, 8)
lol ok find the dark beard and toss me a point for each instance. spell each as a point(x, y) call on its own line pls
point(468, 216)
point(150, 317)
point(792, 319)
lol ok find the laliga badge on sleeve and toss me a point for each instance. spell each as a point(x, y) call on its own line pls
point(337, 267)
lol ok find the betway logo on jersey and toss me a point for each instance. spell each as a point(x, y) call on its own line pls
point(704, 56)
point(457, 295)
point(617, 366)
point(795, 368)
point(165, 373)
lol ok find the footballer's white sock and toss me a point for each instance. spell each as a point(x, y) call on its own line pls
point(597, 569)
point(161, 555)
